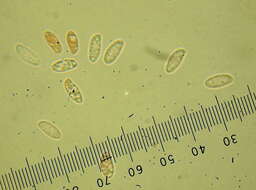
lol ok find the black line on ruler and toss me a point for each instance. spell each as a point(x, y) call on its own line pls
point(223, 109)
point(40, 170)
point(205, 119)
point(234, 98)
point(142, 138)
point(120, 145)
point(30, 184)
point(193, 113)
point(132, 140)
point(7, 182)
point(133, 150)
point(156, 127)
point(173, 135)
point(72, 161)
point(214, 114)
point(161, 143)
point(234, 109)
point(183, 125)
point(209, 118)
point(216, 110)
point(114, 144)
point(45, 174)
point(145, 136)
point(173, 128)
point(17, 177)
point(224, 123)
point(10, 180)
point(254, 96)
point(247, 104)
point(212, 118)
point(232, 114)
point(15, 183)
point(60, 172)
point(54, 170)
point(161, 133)
point(4, 182)
point(198, 120)
point(88, 154)
point(193, 124)
point(47, 169)
point(186, 124)
point(175, 125)
point(110, 147)
point(151, 139)
point(134, 135)
point(245, 111)
point(22, 171)
point(166, 129)
point(251, 97)
point(248, 98)
point(163, 129)
point(118, 150)
point(241, 109)
point(138, 135)
point(64, 167)
point(94, 152)
point(186, 113)
point(2, 188)
point(50, 169)
point(104, 149)
point(82, 156)
point(91, 154)
point(36, 172)
point(114, 147)
point(56, 165)
point(48, 162)
point(99, 155)
point(126, 143)
point(23, 184)
point(28, 166)
point(79, 158)
point(229, 115)
point(76, 161)
point(178, 127)
point(61, 169)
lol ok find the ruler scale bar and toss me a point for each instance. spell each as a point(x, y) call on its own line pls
point(111, 149)
point(128, 148)
point(189, 124)
point(36, 172)
point(250, 104)
point(142, 139)
point(63, 164)
point(23, 184)
point(22, 171)
point(174, 128)
point(60, 173)
point(9, 175)
point(15, 183)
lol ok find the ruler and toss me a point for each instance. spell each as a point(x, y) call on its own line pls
point(141, 140)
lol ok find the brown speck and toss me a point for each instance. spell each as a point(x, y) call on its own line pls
point(217, 178)
point(27, 89)
point(103, 97)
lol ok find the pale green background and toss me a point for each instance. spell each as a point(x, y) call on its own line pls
point(219, 36)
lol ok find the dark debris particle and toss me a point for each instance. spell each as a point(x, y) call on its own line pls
point(103, 97)
point(131, 115)
point(137, 185)
point(48, 87)
point(232, 159)
point(217, 178)
point(27, 89)
point(142, 85)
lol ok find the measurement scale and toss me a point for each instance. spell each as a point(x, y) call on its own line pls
point(221, 114)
